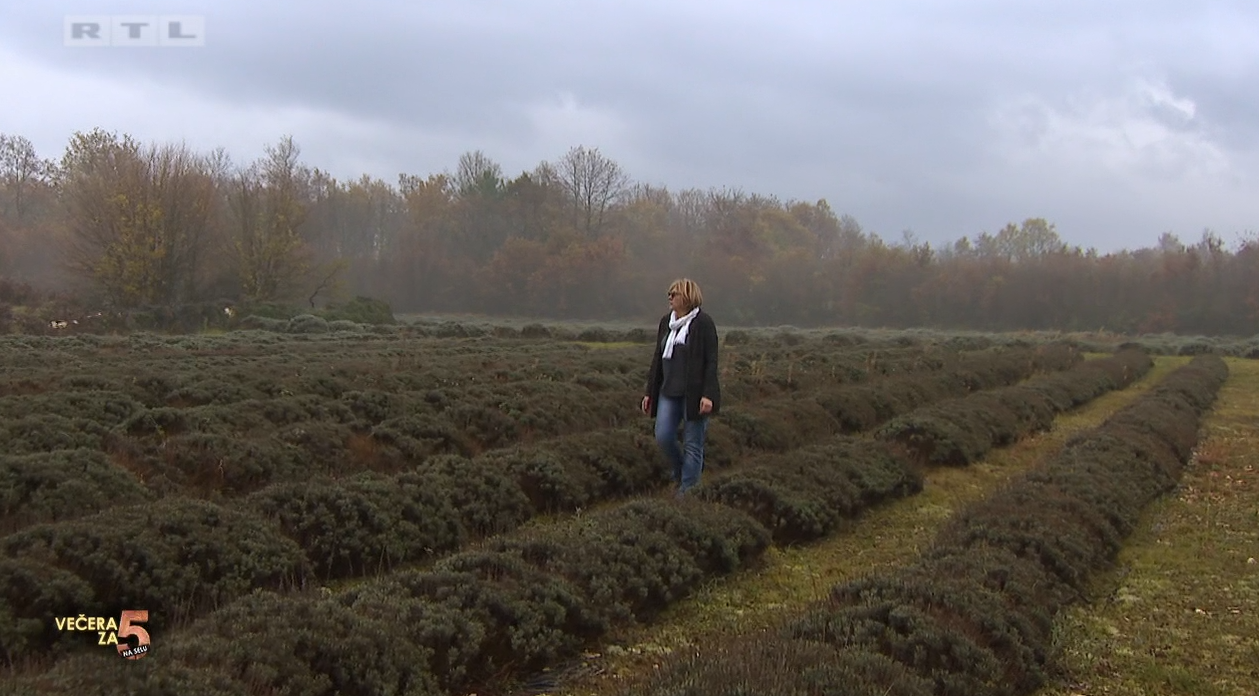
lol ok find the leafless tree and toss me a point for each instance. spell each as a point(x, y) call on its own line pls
point(20, 170)
point(592, 183)
point(478, 174)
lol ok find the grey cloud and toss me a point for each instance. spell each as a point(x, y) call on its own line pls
point(886, 109)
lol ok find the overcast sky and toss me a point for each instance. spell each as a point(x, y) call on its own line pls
point(1116, 121)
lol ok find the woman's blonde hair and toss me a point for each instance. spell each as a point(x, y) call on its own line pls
point(689, 290)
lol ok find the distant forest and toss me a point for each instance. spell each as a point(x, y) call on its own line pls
point(118, 224)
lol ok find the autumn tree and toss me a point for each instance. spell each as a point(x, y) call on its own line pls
point(530, 206)
point(572, 238)
point(425, 271)
point(184, 189)
point(507, 283)
point(657, 251)
point(823, 225)
point(137, 216)
point(349, 227)
point(29, 234)
point(1034, 239)
point(268, 203)
point(1245, 278)
point(581, 280)
point(688, 212)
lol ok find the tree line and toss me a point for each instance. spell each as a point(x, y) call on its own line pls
point(121, 224)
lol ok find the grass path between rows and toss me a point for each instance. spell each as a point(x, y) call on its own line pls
point(789, 579)
point(1179, 614)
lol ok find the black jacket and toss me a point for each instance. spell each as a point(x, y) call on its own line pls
point(701, 365)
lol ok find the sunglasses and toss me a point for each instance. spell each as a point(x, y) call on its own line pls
point(673, 295)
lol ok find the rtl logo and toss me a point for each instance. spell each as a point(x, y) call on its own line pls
point(93, 31)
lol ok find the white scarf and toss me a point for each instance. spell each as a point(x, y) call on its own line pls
point(678, 328)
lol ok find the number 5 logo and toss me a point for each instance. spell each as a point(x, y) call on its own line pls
point(126, 628)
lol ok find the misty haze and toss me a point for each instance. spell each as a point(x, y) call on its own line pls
point(648, 348)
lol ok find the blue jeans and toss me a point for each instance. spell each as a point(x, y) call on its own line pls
point(687, 461)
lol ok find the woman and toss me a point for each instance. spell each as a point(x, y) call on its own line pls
point(682, 383)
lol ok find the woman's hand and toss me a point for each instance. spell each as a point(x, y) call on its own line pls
point(705, 406)
point(646, 405)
